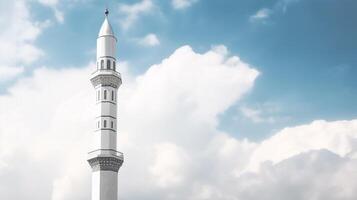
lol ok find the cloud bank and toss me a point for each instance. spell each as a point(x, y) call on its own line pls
point(168, 119)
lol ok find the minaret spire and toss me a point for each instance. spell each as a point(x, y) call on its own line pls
point(106, 28)
point(104, 158)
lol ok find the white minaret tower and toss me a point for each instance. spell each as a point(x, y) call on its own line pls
point(105, 160)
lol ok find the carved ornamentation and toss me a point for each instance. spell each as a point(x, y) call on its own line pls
point(113, 80)
point(105, 163)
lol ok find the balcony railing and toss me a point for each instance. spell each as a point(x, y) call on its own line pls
point(106, 71)
point(105, 152)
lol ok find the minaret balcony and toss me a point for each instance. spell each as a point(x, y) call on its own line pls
point(106, 77)
point(105, 153)
point(105, 159)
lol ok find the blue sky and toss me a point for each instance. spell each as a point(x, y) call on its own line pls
point(220, 98)
point(307, 61)
point(305, 50)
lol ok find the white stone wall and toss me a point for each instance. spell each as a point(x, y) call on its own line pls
point(104, 185)
point(106, 47)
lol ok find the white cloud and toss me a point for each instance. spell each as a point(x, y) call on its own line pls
point(182, 4)
point(338, 137)
point(18, 47)
point(168, 133)
point(261, 14)
point(133, 12)
point(7, 73)
point(32, 137)
point(319, 174)
point(262, 113)
point(18, 38)
point(265, 13)
point(168, 168)
point(149, 40)
point(48, 2)
point(53, 4)
point(176, 103)
point(59, 15)
point(255, 115)
point(220, 49)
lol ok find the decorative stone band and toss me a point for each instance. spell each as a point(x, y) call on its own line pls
point(106, 78)
point(105, 163)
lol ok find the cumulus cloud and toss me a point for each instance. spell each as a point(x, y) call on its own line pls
point(33, 142)
point(134, 11)
point(168, 119)
point(175, 102)
point(338, 137)
point(318, 174)
point(149, 40)
point(182, 4)
point(18, 47)
point(17, 38)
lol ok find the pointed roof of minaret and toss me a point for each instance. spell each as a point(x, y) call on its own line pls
point(106, 28)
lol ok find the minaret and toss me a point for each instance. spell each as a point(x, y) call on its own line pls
point(105, 160)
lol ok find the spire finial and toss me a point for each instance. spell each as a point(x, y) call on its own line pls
point(106, 12)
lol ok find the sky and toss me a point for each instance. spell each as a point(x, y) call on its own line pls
point(222, 100)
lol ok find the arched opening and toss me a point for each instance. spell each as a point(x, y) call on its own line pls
point(112, 124)
point(108, 64)
point(112, 95)
point(105, 94)
point(114, 65)
point(105, 123)
point(102, 64)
